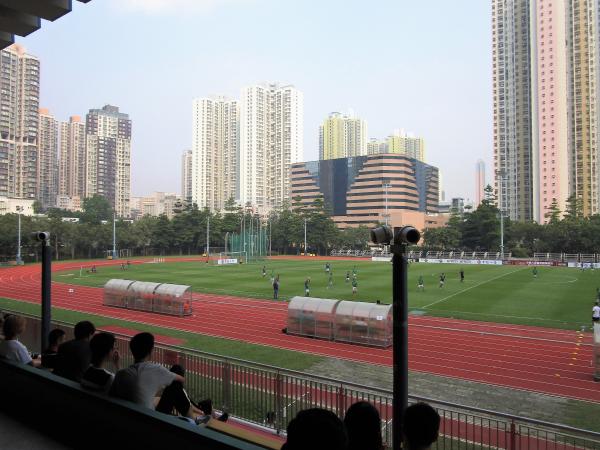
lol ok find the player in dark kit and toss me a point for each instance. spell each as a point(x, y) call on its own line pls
point(264, 271)
point(442, 280)
point(462, 276)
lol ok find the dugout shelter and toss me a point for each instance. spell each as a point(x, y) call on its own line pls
point(342, 321)
point(161, 298)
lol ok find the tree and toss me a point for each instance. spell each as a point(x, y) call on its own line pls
point(96, 209)
point(574, 207)
point(553, 215)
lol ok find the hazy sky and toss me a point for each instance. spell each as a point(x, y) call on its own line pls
point(422, 66)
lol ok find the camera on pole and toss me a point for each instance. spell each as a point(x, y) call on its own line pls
point(44, 238)
point(400, 235)
point(399, 239)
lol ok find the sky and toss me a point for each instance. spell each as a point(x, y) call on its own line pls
point(421, 66)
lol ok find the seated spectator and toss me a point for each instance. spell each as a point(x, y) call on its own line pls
point(74, 356)
point(143, 380)
point(363, 426)
point(420, 427)
point(10, 347)
point(175, 400)
point(316, 429)
point(96, 377)
point(55, 339)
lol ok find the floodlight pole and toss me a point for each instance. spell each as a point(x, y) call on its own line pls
point(207, 236)
point(114, 252)
point(305, 237)
point(400, 337)
point(270, 238)
point(19, 258)
point(386, 186)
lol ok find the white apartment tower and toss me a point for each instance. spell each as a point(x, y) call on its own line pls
point(186, 176)
point(47, 160)
point(214, 152)
point(271, 139)
point(19, 122)
point(72, 160)
point(108, 161)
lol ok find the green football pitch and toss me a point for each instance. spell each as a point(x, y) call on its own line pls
point(558, 297)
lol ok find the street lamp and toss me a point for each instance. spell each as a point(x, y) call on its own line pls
point(19, 210)
point(386, 185)
point(305, 254)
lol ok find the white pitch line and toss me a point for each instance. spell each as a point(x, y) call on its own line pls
point(469, 288)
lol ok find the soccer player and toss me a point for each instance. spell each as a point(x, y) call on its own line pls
point(330, 282)
point(307, 287)
point(462, 276)
point(327, 267)
point(354, 286)
point(534, 272)
point(272, 276)
point(421, 283)
point(596, 312)
point(276, 288)
point(354, 272)
point(347, 276)
point(442, 280)
point(264, 271)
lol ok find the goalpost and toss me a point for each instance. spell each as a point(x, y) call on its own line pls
point(226, 258)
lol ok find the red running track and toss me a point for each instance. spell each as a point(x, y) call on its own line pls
point(556, 362)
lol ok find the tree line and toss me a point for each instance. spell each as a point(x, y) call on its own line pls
point(184, 234)
point(479, 230)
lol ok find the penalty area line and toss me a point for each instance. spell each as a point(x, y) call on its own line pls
point(469, 288)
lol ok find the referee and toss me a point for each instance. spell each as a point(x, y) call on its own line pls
point(596, 312)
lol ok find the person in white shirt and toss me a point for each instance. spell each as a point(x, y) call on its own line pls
point(10, 347)
point(144, 380)
point(596, 312)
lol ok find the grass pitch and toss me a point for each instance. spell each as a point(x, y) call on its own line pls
point(558, 297)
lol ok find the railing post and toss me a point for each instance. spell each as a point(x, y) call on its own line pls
point(226, 386)
point(512, 445)
point(341, 402)
point(279, 419)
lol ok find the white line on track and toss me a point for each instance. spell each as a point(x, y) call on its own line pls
point(471, 287)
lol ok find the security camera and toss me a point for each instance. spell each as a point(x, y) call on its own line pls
point(408, 235)
point(42, 236)
point(404, 235)
point(382, 235)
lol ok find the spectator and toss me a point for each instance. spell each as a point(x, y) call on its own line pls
point(143, 380)
point(96, 377)
point(420, 426)
point(10, 347)
point(316, 429)
point(175, 399)
point(55, 339)
point(74, 356)
point(363, 426)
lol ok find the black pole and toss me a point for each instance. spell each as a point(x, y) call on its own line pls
point(400, 338)
point(46, 290)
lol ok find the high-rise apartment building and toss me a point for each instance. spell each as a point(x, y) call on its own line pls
point(19, 121)
point(342, 136)
point(400, 143)
point(108, 145)
point(271, 139)
point(186, 176)
point(376, 146)
point(72, 160)
point(406, 144)
point(47, 159)
point(545, 69)
point(215, 146)
point(479, 182)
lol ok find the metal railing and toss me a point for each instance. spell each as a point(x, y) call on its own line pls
point(272, 396)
